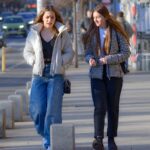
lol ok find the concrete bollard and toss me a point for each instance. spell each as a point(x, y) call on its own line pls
point(2, 123)
point(9, 110)
point(62, 137)
point(18, 110)
point(24, 95)
point(28, 87)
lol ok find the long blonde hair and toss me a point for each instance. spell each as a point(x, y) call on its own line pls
point(39, 18)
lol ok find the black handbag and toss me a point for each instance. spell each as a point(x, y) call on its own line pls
point(67, 86)
point(124, 68)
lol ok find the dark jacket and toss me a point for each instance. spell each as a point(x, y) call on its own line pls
point(119, 52)
point(85, 24)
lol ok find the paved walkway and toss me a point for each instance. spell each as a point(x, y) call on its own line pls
point(134, 126)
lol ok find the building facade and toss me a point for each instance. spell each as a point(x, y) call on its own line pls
point(138, 14)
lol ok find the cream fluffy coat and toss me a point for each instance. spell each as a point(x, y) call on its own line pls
point(62, 51)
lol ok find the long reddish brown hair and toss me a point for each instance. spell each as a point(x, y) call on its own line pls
point(111, 24)
point(39, 18)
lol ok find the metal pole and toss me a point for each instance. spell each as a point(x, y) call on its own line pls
point(90, 5)
point(75, 34)
point(114, 3)
point(3, 59)
point(40, 5)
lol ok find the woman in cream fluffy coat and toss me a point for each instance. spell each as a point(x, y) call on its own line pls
point(48, 49)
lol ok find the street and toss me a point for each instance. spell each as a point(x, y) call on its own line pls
point(134, 123)
point(77, 110)
point(16, 75)
point(14, 55)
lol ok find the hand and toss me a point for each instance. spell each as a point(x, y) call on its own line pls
point(103, 60)
point(92, 62)
point(83, 30)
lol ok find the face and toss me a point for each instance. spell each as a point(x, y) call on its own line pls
point(99, 20)
point(49, 19)
point(89, 14)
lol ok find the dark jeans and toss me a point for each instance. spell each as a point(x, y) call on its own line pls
point(106, 97)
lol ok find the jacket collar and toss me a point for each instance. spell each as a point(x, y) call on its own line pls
point(60, 27)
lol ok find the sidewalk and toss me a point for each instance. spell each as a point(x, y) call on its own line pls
point(134, 126)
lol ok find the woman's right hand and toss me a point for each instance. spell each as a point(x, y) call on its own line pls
point(92, 62)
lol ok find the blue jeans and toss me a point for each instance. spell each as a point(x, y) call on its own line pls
point(46, 102)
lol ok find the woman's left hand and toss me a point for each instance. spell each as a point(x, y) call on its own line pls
point(103, 60)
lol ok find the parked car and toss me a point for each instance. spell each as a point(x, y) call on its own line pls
point(2, 40)
point(5, 14)
point(14, 25)
point(28, 17)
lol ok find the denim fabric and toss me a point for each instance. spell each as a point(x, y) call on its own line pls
point(106, 97)
point(46, 102)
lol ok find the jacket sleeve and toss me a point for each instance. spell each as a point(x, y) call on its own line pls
point(67, 51)
point(123, 51)
point(28, 52)
point(89, 53)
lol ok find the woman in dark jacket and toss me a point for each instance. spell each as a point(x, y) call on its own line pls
point(107, 45)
